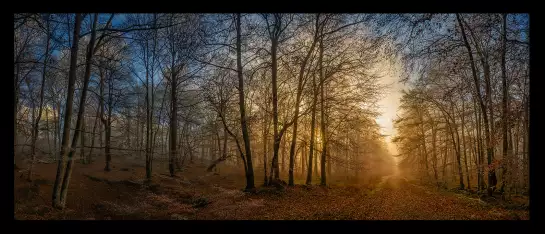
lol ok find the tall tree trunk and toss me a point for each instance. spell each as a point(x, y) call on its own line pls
point(300, 85)
point(458, 153)
point(276, 141)
point(423, 134)
point(173, 115)
point(312, 131)
point(434, 149)
point(48, 129)
point(283, 149)
point(242, 104)
point(488, 131)
point(149, 126)
point(477, 142)
point(81, 111)
point(128, 129)
point(218, 156)
point(103, 120)
point(97, 117)
point(82, 150)
point(59, 116)
point(32, 135)
point(329, 165)
point(179, 151)
point(40, 108)
point(108, 124)
point(56, 197)
point(481, 149)
point(15, 107)
point(55, 131)
point(137, 130)
point(107, 148)
point(505, 105)
point(141, 139)
point(443, 174)
point(525, 144)
point(150, 136)
point(304, 158)
point(315, 170)
point(322, 115)
point(464, 143)
point(265, 141)
point(294, 132)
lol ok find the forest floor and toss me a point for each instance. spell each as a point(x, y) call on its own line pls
point(197, 194)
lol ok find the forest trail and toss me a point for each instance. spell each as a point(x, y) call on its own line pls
point(195, 194)
point(325, 96)
point(400, 199)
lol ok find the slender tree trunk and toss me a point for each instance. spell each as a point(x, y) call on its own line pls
point(173, 116)
point(481, 149)
point(81, 111)
point(283, 149)
point(179, 151)
point(505, 105)
point(82, 150)
point(474, 154)
point(242, 104)
point(515, 140)
point(347, 155)
point(33, 137)
point(217, 158)
point(298, 103)
point(108, 125)
point(458, 154)
point(128, 129)
point(40, 107)
point(322, 116)
point(525, 143)
point(477, 141)
point(150, 105)
point(218, 141)
point(464, 143)
point(107, 150)
point(304, 158)
point(97, 117)
point(445, 156)
point(137, 140)
point(265, 141)
point(294, 133)
point(59, 116)
point(48, 129)
point(425, 151)
point(224, 151)
point(141, 139)
point(103, 120)
point(55, 131)
point(312, 131)
point(15, 107)
point(329, 165)
point(56, 197)
point(434, 150)
point(149, 126)
point(276, 137)
point(315, 170)
point(488, 127)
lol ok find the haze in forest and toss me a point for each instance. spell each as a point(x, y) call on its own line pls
point(389, 104)
point(271, 116)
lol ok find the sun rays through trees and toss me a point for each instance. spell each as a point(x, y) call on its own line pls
point(279, 101)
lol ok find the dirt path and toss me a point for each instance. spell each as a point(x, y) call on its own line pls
point(396, 198)
point(195, 194)
point(393, 198)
